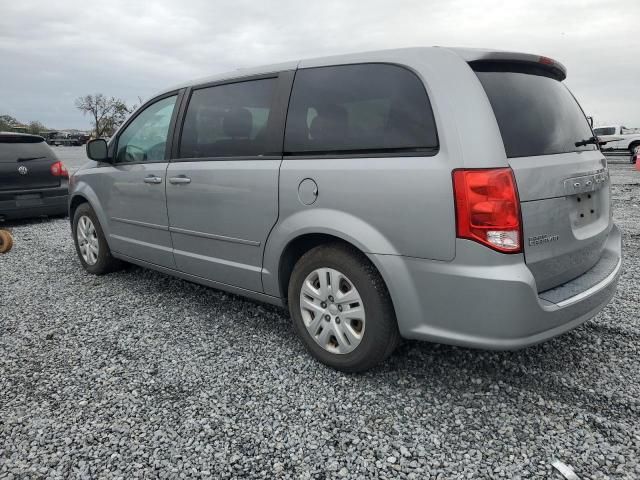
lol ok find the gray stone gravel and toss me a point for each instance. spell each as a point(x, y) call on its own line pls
point(138, 374)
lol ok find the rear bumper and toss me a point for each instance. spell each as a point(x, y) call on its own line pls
point(487, 300)
point(50, 201)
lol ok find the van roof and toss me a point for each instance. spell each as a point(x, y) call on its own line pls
point(400, 55)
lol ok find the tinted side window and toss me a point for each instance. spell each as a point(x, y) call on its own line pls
point(145, 138)
point(366, 108)
point(605, 131)
point(229, 120)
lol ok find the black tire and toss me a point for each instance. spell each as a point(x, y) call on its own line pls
point(381, 335)
point(633, 146)
point(105, 262)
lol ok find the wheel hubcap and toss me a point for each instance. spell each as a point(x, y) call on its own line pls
point(87, 240)
point(332, 310)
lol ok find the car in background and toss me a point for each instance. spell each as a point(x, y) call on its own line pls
point(57, 139)
point(618, 137)
point(33, 181)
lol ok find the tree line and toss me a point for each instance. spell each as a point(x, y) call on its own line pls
point(106, 113)
point(10, 124)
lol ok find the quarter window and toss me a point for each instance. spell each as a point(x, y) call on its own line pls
point(230, 120)
point(359, 109)
point(145, 138)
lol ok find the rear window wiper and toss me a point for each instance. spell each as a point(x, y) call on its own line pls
point(588, 141)
point(25, 159)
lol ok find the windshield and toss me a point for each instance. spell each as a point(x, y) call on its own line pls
point(537, 114)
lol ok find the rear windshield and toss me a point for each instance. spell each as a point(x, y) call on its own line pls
point(14, 148)
point(537, 114)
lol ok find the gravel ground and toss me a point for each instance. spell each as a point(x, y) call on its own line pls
point(138, 374)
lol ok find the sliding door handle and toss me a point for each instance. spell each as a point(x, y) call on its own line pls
point(152, 179)
point(179, 180)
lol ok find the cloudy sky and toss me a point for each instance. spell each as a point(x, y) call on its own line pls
point(53, 52)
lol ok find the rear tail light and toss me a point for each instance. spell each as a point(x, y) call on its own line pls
point(488, 208)
point(59, 170)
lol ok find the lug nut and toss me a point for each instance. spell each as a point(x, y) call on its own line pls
point(339, 308)
point(327, 317)
point(330, 298)
point(337, 319)
point(323, 305)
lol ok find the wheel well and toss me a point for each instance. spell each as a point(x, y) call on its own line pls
point(633, 145)
point(75, 203)
point(296, 249)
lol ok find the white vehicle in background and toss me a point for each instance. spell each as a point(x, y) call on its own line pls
point(618, 137)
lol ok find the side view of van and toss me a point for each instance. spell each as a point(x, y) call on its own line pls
point(449, 195)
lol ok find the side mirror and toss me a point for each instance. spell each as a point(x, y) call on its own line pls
point(97, 150)
point(590, 120)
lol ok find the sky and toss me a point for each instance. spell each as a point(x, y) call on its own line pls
point(53, 52)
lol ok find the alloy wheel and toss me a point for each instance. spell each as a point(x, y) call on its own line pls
point(87, 240)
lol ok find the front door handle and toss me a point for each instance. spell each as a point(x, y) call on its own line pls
point(179, 180)
point(152, 179)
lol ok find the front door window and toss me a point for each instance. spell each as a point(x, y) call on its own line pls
point(145, 138)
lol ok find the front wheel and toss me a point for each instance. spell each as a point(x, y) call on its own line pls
point(91, 244)
point(341, 309)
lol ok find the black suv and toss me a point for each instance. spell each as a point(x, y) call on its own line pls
point(33, 181)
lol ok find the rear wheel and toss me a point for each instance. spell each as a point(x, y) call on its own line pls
point(341, 308)
point(91, 244)
point(633, 146)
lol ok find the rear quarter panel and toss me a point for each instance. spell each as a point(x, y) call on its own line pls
point(393, 205)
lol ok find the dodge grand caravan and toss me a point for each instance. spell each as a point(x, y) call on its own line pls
point(449, 195)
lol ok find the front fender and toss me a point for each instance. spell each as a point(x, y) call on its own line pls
point(82, 189)
point(336, 223)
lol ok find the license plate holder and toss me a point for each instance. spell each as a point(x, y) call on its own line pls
point(28, 200)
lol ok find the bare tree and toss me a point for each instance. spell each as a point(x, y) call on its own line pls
point(107, 112)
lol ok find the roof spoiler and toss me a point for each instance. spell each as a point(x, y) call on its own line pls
point(15, 137)
point(549, 65)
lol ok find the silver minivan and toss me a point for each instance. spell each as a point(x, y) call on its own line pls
point(449, 195)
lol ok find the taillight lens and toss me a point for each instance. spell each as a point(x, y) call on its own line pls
point(59, 170)
point(488, 208)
